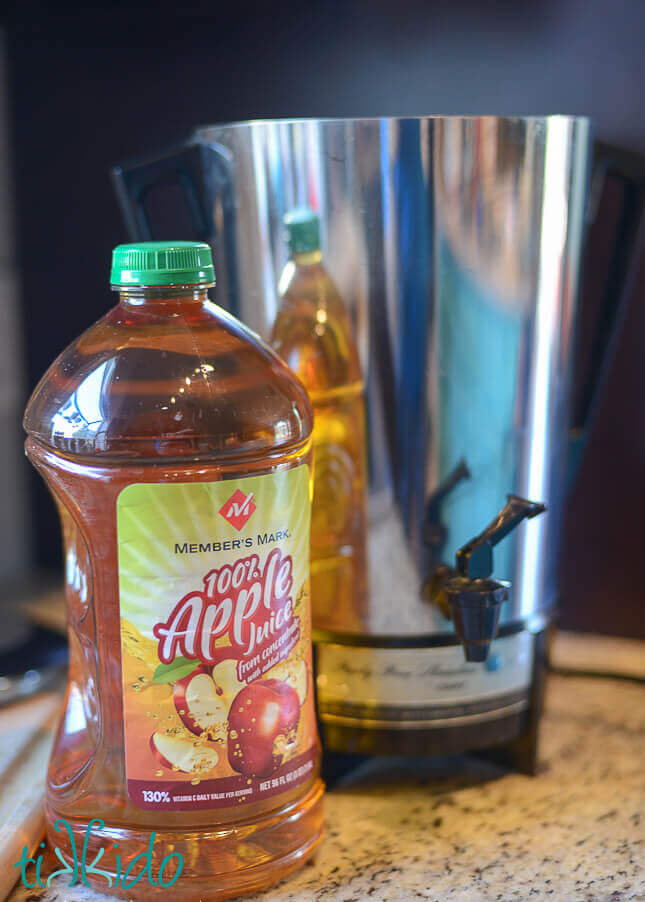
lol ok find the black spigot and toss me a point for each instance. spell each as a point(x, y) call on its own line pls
point(475, 600)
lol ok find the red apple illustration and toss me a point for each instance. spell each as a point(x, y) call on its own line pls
point(200, 702)
point(296, 674)
point(183, 754)
point(265, 711)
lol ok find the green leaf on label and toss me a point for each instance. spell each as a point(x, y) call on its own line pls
point(170, 673)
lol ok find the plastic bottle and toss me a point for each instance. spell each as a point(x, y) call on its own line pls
point(313, 334)
point(177, 448)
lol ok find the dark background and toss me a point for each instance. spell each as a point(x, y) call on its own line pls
point(90, 87)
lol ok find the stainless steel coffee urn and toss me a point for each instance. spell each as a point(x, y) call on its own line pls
point(455, 242)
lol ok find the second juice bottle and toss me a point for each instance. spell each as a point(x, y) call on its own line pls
point(313, 334)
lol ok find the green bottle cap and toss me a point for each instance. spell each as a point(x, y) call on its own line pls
point(162, 263)
point(303, 230)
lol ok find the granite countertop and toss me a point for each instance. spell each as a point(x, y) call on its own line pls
point(461, 829)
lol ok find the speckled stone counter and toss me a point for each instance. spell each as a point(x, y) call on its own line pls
point(459, 829)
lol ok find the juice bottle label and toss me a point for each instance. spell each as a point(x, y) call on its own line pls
point(215, 640)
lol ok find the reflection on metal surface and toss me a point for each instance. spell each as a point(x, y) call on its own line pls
point(454, 242)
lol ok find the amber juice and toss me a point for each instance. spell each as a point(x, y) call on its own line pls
point(165, 390)
point(313, 334)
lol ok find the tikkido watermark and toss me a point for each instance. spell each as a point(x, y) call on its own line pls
point(80, 868)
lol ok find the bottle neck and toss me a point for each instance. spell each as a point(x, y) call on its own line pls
point(306, 258)
point(138, 295)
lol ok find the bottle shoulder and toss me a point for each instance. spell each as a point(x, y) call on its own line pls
point(149, 383)
point(313, 331)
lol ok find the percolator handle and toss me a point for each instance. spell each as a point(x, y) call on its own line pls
point(204, 174)
point(622, 173)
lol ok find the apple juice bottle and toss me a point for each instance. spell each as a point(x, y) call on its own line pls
point(313, 334)
point(177, 447)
